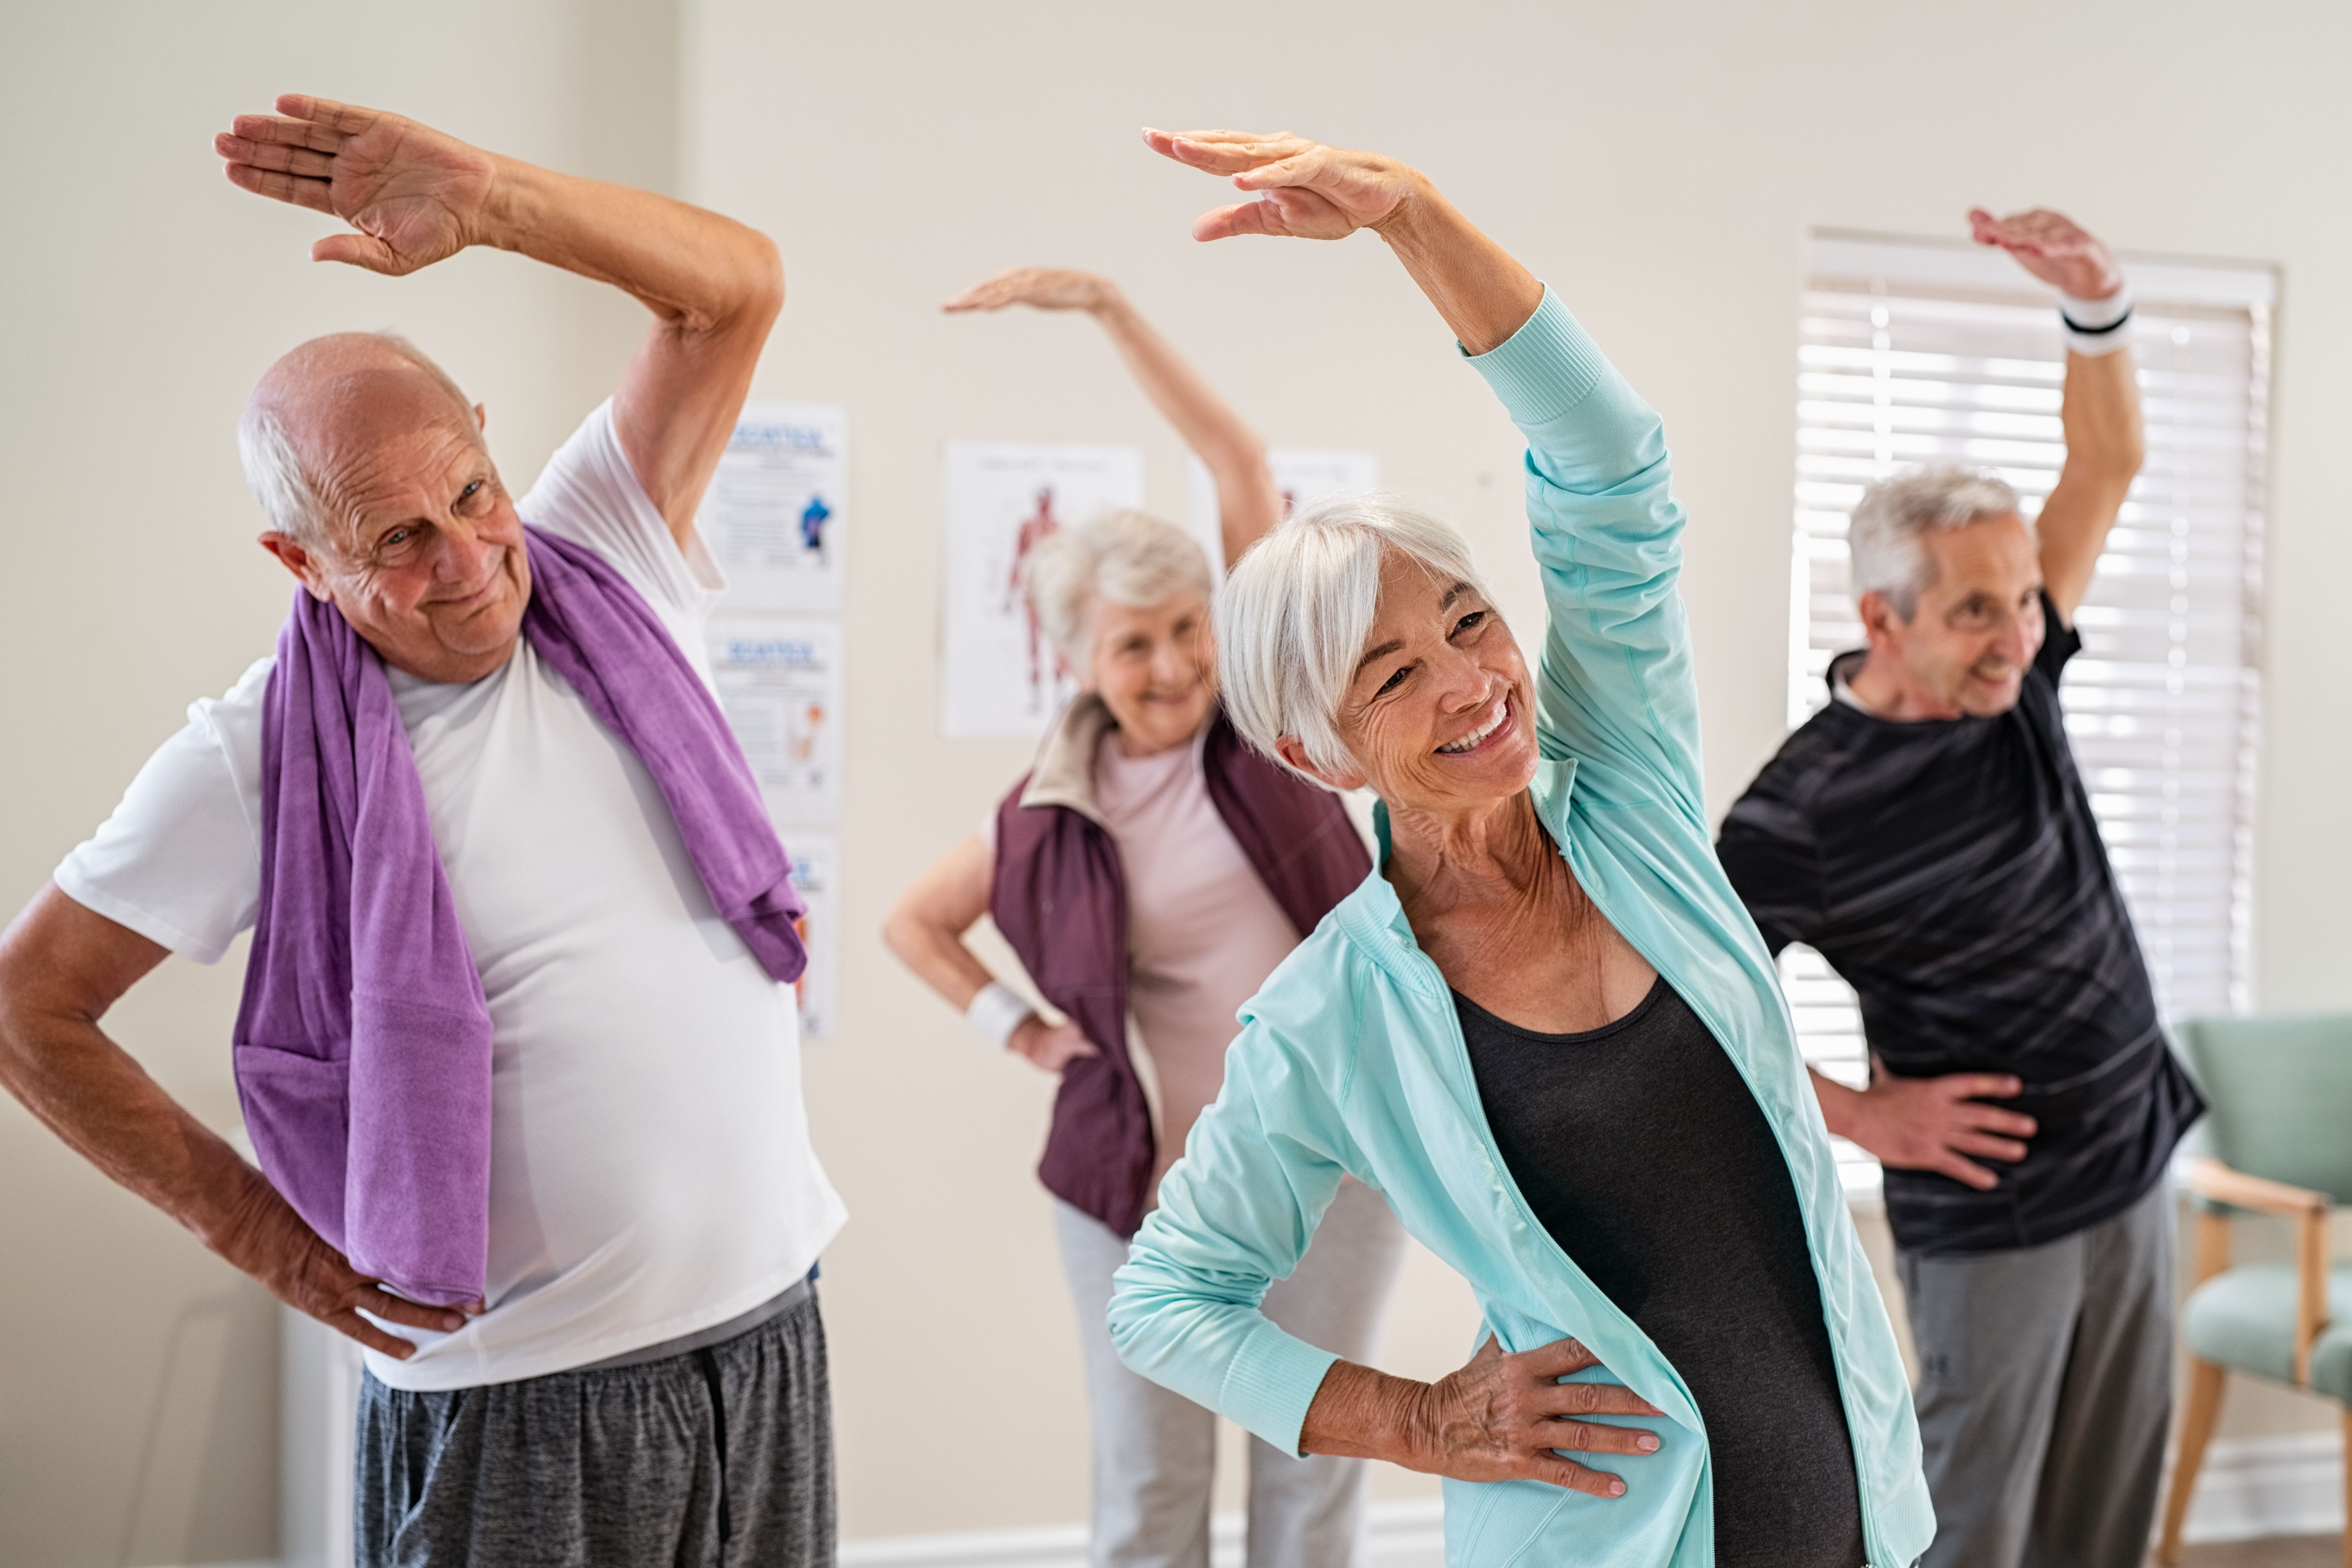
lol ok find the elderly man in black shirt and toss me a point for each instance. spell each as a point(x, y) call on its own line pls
point(1927, 831)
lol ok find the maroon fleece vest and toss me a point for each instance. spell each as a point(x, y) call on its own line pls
point(1060, 898)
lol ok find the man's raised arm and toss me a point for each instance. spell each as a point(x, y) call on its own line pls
point(416, 196)
point(2100, 410)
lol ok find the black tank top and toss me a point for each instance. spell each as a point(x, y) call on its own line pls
point(1642, 1151)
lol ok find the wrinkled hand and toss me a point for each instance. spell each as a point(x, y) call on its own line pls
point(1044, 287)
point(1312, 191)
point(1052, 1047)
point(300, 1269)
point(414, 194)
point(1934, 1123)
point(1501, 1416)
point(2054, 247)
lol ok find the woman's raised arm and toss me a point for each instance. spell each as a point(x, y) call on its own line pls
point(1249, 504)
point(1308, 191)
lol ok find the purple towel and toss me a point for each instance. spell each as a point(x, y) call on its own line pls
point(363, 1045)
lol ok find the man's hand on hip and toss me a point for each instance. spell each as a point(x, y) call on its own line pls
point(271, 1243)
point(1933, 1123)
point(415, 196)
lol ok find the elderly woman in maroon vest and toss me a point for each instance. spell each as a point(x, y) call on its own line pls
point(1150, 871)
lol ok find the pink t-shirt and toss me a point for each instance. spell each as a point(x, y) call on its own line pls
point(1202, 931)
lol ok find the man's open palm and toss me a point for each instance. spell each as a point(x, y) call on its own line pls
point(414, 194)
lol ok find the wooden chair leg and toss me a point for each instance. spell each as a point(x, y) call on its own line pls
point(2205, 1379)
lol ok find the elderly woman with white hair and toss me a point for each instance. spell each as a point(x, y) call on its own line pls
point(1544, 1030)
point(1150, 872)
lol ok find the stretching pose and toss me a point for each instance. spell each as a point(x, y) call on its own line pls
point(1544, 1030)
point(1153, 867)
point(515, 1050)
point(1927, 831)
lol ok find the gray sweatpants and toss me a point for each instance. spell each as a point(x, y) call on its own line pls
point(717, 1458)
point(1155, 1451)
point(2046, 1384)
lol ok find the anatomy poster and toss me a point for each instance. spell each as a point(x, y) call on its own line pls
point(999, 675)
point(779, 680)
point(1301, 473)
point(772, 515)
point(816, 872)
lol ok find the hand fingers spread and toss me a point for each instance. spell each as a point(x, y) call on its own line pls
point(414, 1314)
point(1985, 1119)
point(1988, 1147)
point(1592, 1437)
point(1559, 1357)
point(286, 133)
point(1967, 1172)
point(353, 1326)
point(273, 156)
point(1577, 1478)
point(1570, 1399)
point(302, 192)
point(1983, 1086)
point(347, 118)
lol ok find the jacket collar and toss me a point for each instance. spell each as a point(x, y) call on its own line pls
point(1063, 774)
point(1373, 917)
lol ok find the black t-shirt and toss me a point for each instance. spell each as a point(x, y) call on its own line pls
point(1952, 871)
point(1642, 1151)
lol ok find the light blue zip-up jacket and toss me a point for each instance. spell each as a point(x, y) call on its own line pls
point(1350, 1061)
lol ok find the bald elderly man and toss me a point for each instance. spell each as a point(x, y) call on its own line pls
point(516, 1050)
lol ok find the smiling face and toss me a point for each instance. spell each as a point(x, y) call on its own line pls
point(423, 553)
point(1974, 632)
point(1439, 715)
point(1154, 667)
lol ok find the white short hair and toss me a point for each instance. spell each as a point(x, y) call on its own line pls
point(1127, 557)
point(274, 472)
point(1294, 613)
point(1893, 515)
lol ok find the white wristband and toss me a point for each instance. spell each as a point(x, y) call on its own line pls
point(2096, 326)
point(996, 1012)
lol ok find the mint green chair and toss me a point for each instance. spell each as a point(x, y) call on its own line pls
point(2281, 1134)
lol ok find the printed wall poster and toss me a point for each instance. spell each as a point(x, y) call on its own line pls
point(816, 872)
point(779, 680)
point(773, 516)
point(999, 675)
point(1301, 473)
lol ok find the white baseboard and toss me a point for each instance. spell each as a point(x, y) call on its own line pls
point(1400, 1535)
point(2250, 1487)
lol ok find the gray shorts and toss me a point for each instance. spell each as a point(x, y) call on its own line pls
point(718, 1457)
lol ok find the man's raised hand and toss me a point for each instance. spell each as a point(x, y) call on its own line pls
point(415, 196)
point(2054, 247)
point(1311, 191)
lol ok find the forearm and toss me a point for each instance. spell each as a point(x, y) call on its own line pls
point(1361, 1413)
point(690, 267)
point(2101, 415)
point(1232, 452)
point(1839, 1103)
point(1483, 293)
point(95, 1097)
point(937, 955)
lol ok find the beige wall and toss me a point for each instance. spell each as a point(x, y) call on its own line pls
point(1660, 164)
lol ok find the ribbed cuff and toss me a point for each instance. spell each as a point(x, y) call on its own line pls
point(1546, 368)
point(1272, 1380)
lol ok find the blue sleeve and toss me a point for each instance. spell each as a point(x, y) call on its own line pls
point(1614, 684)
point(1234, 1215)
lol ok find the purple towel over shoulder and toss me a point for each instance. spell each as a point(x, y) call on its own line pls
point(363, 1044)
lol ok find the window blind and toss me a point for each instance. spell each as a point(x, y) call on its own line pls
point(1913, 352)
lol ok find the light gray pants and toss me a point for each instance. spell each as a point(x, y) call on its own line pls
point(1155, 1452)
point(2046, 1384)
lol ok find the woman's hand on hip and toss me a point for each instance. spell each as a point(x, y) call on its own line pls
point(1500, 1418)
point(1312, 191)
point(1053, 1046)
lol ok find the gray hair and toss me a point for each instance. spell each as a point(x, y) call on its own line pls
point(1127, 557)
point(1893, 515)
point(1294, 613)
point(274, 472)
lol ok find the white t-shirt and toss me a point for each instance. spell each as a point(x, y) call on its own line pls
point(650, 1167)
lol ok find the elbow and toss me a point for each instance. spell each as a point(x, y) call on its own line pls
point(764, 279)
point(902, 934)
